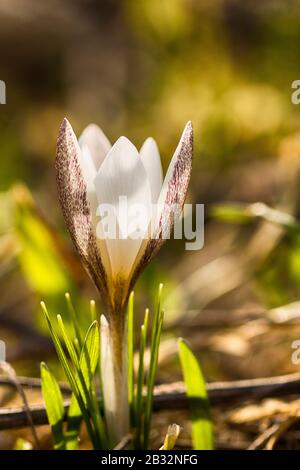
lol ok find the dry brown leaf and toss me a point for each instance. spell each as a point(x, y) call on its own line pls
point(266, 409)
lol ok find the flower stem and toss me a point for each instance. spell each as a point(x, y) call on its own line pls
point(114, 377)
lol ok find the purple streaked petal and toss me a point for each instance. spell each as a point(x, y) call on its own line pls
point(75, 207)
point(173, 195)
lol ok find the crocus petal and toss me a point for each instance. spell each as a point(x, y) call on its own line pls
point(175, 185)
point(122, 174)
point(95, 144)
point(151, 160)
point(173, 194)
point(94, 147)
point(75, 206)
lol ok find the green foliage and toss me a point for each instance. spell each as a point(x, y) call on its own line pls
point(80, 366)
point(202, 433)
point(88, 361)
point(154, 348)
point(243, 213)
point(54, 406)
point(38, 256)
point(86, 401)
point(141, 392)
point(277, 280)
point(141, 379)
point(41, 254)
point(130, 346)
point(74, 320)
point(231, 213)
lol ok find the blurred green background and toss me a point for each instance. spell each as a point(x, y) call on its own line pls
point(143, 68)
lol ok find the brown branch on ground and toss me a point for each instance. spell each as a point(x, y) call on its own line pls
point(167, 397)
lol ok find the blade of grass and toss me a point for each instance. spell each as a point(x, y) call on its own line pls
point(74, 319)
point(140, 381)
point(88, 360)
point(73, 425)
point(71, 378)
point(130, 318)
point(202, 433)
point(83, 371)
point(155, 341)
point(95, 317)
point(74, 414)
point(54, 406)
point(90, 352)
point(81, 381)
point(69, 345)
point(93, 311)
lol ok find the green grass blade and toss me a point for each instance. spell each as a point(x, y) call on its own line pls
point(89, 356)
point(84, 375)
point(71, 378)
point(96, 317)
point(93, 311)
point(88, 361)
point(140, 381)
point(154, 349)
point(73, 425)
point(202, 431)
point(82, 365)
point(54, 406)
point(74, 319)
point(68, 342)
point(130, 320)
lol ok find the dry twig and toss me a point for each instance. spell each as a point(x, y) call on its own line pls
point(167, 397)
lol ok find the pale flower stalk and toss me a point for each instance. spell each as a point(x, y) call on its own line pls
point(91, 172)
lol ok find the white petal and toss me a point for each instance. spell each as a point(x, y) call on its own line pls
point(88, 168)
point(94, 147)
point(94, 143)
point(172, 195)
point(151, 160)
point(122, 174)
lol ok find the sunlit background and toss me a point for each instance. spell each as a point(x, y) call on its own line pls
point(143, 68)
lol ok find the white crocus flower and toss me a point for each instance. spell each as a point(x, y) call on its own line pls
point(92, 173)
